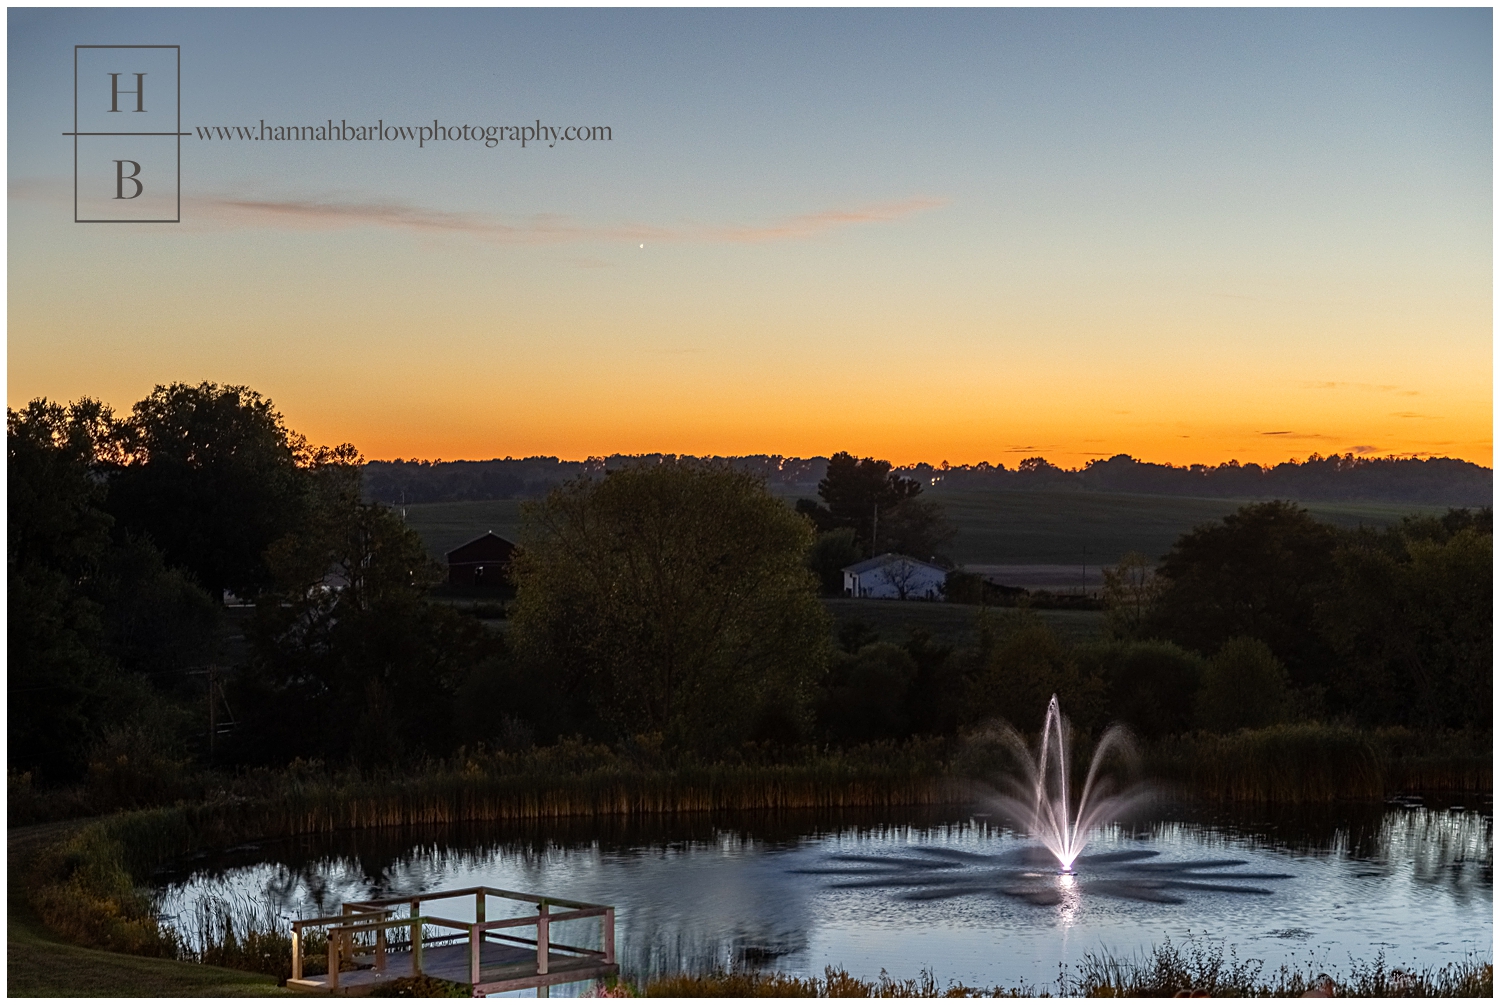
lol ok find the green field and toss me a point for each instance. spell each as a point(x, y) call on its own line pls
point(445, 526)
point(994, 527)
point(954, 624)
point(997, 527)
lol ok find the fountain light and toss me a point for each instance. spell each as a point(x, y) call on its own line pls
point(1040, 801)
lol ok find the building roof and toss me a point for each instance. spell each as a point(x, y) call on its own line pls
point(489, 547)
point(881, 561)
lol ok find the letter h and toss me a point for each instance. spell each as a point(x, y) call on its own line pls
point(115, 92)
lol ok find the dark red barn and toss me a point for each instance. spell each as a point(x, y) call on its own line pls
point(484, 561)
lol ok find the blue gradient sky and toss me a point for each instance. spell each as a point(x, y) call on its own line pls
point(1188, 235)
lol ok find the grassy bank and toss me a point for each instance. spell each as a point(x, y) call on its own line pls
point(40, 964)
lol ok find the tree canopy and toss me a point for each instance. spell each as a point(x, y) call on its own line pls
point(673, 599)
point(211, 475)
point(1261, 572)
point(880, 506)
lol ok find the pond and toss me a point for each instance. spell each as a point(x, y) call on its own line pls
point(953, 891)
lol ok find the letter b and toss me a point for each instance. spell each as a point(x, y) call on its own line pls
point(121, 178)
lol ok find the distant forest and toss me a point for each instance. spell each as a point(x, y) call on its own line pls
point(1436, 481)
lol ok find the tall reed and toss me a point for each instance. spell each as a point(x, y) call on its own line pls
point(1319, 763)
point(1200, 967)
point(1204, 966)
point(1302, 763)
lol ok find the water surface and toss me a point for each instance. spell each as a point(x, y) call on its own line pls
point(952, 890)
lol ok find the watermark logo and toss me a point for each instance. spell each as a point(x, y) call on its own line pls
point(127, 134)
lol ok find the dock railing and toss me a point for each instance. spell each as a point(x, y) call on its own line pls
point(378, 917)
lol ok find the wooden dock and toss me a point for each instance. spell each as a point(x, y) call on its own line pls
point(376, 942)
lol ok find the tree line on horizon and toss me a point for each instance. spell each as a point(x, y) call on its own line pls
point(1432, 481)
point(672, 603)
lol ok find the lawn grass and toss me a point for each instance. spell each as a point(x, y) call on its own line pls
point(41, 967)
point(38, 965)
point(995, 527)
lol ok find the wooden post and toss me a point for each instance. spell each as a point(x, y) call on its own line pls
point(609, 935)
point(296, 950)
point(474, 939)
point(380, 947)
point(543, 924)
point(416, 937)
point(333, 959)
point(479, 899)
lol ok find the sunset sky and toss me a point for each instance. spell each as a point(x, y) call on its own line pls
point(924, 235)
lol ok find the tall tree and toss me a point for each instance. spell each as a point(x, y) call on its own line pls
point(1260, 573)
point(880, 506)
point(211, 475)
point(1413, 625)
point(59, 678)
point(673, 598)
point(351, 658)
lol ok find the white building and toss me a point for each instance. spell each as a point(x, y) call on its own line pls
point(894, 577)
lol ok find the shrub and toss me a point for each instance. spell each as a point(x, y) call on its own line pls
point(1244, 687)
point(1150, 686)
point(867, 694)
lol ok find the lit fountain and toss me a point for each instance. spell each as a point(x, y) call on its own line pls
point(1039, 800)
point(1040, 803)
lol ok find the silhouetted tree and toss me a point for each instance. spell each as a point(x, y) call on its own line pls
point(867, 695)
point(1131, 589)
point(917, 527)
point(862, 495)
point(59, 679)
point(1413, 626)
point(351, 658)
point(1149, 686)
point(211, 475)
point(1261, 573)
point(830, 554)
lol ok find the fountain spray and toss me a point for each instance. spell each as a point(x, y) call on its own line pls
point(1039, 800)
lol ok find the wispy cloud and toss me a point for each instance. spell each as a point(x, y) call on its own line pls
point(1292, 434)
point(1349, 385)
point(1414, 415)
point(316, 214)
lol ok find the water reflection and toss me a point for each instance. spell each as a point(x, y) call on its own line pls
point(1030, 873)
point(935, 888)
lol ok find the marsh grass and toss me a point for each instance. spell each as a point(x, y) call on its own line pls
point(246, 934)
point(836, 982)
point(1200, 966)
point(1203, 965)
point(1318, 763)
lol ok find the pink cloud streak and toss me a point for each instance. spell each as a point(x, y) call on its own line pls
point(540, 229)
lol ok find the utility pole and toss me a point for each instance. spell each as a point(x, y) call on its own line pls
point(213, 724)
point(875, 530)
point(215, 695)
